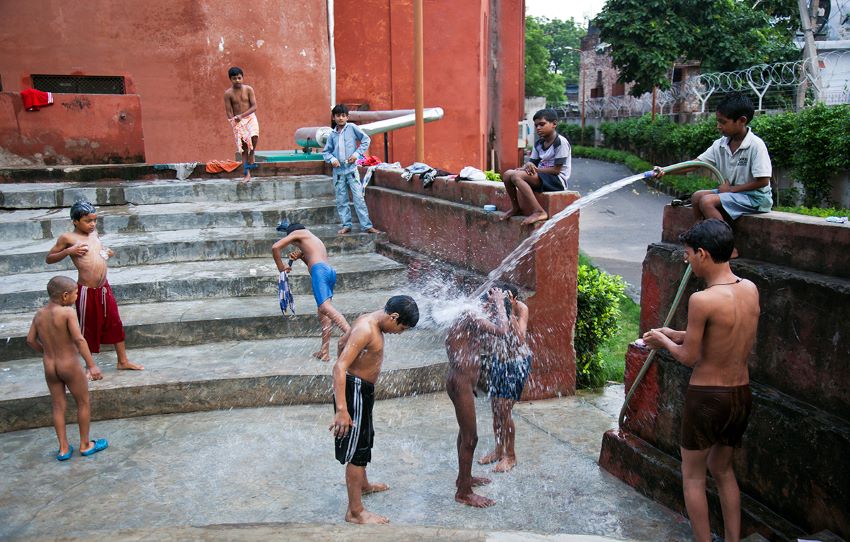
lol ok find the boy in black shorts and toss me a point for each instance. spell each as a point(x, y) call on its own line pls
point(355, 372)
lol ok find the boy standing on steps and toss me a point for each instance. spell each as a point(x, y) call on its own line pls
point(342, 152)
point(241, 106)
point(354, 376)
point(56, 334)
point(722, 324)
point(96, 307)
point(323, 278)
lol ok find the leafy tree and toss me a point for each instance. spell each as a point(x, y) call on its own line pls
point(539, 80)
point(648, 36)
point(566, 38)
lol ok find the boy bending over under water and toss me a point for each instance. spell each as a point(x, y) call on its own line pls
point(311, 249)
point(56, 334)
point(722, 323)
point(467, 336)
point(509, 371)
point(354, 376)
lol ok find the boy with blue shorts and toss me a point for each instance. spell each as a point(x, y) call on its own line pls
point(509, 371)
point(323, 277)
point(742, 158)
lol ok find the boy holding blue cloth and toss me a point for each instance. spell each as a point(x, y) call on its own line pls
point(345, 145)
point(323, 279)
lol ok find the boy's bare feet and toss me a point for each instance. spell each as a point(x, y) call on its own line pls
point(365, 517)
point(129, 366)
point(535, 218)
point(373, 488)
point(509, 214)
point(343, 231)
point(492, 457)
point(373, 230)
point(505, 464)
point(246, 178)
point(322, 356)
point(474, 500)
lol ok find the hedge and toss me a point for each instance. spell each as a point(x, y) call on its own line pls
point(598, 302)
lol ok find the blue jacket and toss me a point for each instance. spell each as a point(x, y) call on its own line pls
point(341, 145)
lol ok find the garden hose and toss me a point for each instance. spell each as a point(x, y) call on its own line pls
point(682, 284)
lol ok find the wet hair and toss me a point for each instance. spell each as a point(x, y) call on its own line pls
point(735, 105)
point(82, 208)
point(548, 115)
point(714, 236)
point(235, 70)
point(339, 109)
point(294, 227)
point(406, 307)
point(508, 287)
point(60, 284)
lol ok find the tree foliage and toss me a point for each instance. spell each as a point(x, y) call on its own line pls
point(550, 57)
point(648, 36)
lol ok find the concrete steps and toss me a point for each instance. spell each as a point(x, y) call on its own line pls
point(230, 374)
point(197, 291)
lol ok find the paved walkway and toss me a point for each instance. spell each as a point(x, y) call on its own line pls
point(162, 474)
point(616, 230)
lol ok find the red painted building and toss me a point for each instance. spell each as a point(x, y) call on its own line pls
point(172, 59)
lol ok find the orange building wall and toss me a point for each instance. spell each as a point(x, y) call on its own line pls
point(176, 55)
point(458, 74)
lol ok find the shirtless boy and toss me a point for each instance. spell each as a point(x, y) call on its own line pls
point(509, 371)
point(56, 334)
point(467, 336)
point(96, 307)
point(354, 376)
point(722, 322)
point(311, 249)
point(240, 106)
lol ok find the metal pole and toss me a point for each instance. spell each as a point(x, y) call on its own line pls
point(419, 79)
point(583, 96)
point(654, 90)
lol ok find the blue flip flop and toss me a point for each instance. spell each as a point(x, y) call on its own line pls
point(65, 457)
point(99, 445)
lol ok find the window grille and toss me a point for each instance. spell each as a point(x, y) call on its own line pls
point(79, 84)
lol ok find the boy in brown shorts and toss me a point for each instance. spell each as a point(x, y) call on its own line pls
point(96, 307)
point(55, 333)
point(722, 323)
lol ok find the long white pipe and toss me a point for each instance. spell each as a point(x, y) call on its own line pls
point(431, 114)
point(332, 51)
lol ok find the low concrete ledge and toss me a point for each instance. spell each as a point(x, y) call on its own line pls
point(145, 171)
point(803, 242)
point(215, 394)
point(659, 477)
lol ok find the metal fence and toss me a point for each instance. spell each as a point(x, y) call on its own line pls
point(772, 87)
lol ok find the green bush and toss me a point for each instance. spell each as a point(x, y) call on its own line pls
point(573, 133)
point(597, 320)
point(493, 176)
point(815, 211)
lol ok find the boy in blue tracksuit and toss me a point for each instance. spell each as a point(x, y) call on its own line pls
point(342, 152)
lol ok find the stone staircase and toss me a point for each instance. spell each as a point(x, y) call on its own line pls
point(197, 291)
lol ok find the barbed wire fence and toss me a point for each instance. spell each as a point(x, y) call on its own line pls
point(772, 87)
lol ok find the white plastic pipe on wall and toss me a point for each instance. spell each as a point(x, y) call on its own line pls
point(332, 52)
point(316, 136)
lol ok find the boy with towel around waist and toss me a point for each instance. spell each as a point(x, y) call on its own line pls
point(722, 324)
point(96, 307)
point(240, 104)
point(323, 277)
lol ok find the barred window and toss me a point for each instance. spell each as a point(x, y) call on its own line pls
point(79, 84)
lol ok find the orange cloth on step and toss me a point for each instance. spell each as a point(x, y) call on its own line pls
point(217, 166)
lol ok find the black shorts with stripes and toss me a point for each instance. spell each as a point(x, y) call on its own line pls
point(356, 446)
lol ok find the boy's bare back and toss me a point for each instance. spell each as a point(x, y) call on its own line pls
point(56, 333)
point(730, 313)
point(312, 249)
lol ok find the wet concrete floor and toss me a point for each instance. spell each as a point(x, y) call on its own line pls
point(275, 465)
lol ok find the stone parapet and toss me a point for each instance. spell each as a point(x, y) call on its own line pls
point(445, 221)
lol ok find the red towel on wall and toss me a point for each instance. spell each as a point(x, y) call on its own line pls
point(35, 99)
